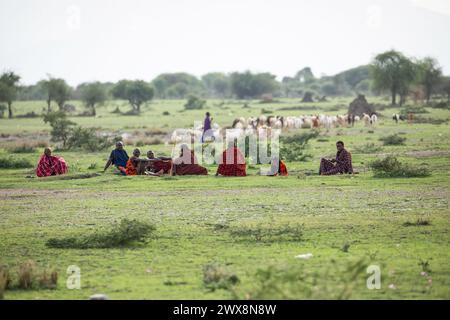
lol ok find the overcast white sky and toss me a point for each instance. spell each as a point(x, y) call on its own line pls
point(107, 40)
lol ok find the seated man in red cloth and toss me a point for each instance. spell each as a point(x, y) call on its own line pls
point(187, 163)
point(233, 162)
point(341, 164)
point(157, 166)
point(50, 165)
point(132, 163)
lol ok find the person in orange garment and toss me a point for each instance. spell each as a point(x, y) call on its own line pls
point(132, 163)
point(233, 162)
point(278, 167)
point(187, 164)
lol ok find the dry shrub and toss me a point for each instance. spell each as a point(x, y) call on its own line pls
point(25, 274)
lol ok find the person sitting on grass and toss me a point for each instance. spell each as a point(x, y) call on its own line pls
point(157, 165)
point(278, 167)
point(49, 165)
point(132, 163)
point(341, 164)
point(187, 164)
point(118, 158)
point(233, 162)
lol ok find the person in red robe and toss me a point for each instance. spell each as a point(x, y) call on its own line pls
point(49, 165)
point(157, 165)
point(341, 164)
point(278, 168)
point(187, 164)
point(233, 163)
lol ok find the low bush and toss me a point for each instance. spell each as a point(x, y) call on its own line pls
point(393, 140)
point(368, 148)
point(418, 222)
point(194, 103)
point(268, 232)
point(390, 167)
point(293, 148)
point(121, 234)
point(216, 276)
point(22, 148)
point(14, 163)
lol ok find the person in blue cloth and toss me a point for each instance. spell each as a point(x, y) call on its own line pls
point(118, 158)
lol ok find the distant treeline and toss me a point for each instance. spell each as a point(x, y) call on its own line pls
point(389, 72)
point(238, 84)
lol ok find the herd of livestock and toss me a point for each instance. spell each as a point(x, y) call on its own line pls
point(246, 126)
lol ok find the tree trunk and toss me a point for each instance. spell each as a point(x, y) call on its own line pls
point(49, 101)
point(394, 95)
point(10, 113)
point(93, 110)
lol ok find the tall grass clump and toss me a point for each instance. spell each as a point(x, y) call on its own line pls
point(23, 148)
point(393, 140)
point(390, 167)
point(121, 234)
point(368, 148)
point(216, 276)
point(14, 163)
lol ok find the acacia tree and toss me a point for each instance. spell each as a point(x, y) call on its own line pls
point(430, 74)
point(249, 85)
point(392, 71)
point(92, 94)
point(136, 92)
point(9, 85)
point(57, 90)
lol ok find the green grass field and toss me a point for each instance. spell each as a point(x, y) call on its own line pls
point(346, 222)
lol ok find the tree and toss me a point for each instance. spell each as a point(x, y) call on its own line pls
point(9, 85)
point(444, 87)
point(136, 92)
point(61, 126)
point(392, 71)
point(217, 84)
point(92, 94)
point(430, 74)
point(57, 90)
point(305, 75)
point(248, 85)
point(177, 85)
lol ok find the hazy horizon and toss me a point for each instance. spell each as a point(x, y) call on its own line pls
point(109, 40)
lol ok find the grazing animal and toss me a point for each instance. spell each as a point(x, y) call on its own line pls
point(373, 119)
point(366, 119)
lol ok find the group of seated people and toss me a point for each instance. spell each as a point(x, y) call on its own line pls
point(233, 163)
point(185, 164)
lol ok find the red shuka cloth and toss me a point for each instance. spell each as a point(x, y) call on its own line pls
point(283, 169)
point(192, 168)
point(51, 166)
point(233, 163)
point(131, 169)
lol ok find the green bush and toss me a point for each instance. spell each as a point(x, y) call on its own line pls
point(390, 167)
point(393, 140)
point(194, 103)
point(14, 163)
point(293, 148)
point(122, 234)
point(87, 139)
